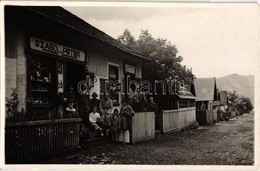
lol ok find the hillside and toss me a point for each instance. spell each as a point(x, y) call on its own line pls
point(244, 85)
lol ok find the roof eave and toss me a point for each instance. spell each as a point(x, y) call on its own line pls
point(70, 26)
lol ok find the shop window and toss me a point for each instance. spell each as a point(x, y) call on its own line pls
point(40, 86)
point(192, 103)
point(113, 76)
point(183, 103)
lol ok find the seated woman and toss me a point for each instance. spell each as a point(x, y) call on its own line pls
point(96, 121)
point(70, 111)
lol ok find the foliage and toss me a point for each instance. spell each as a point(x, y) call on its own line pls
point(127, 39)
point(233, 99)
point(240, 103)
point(245, 105)
point(164, 64)
point(12, 103)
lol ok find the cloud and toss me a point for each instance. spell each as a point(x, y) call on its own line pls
point(214, 41)
point(114, 13)
point(127, 14)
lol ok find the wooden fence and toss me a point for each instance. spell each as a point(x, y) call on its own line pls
point(177, 119)
point(32, 140)
point(143, 126)
point(33, 116)
point(214, 116)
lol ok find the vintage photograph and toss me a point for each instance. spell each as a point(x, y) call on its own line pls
point(129, 83)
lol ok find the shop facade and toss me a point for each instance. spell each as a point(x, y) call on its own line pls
point(48, 50)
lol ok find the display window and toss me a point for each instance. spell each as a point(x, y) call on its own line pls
point(41, 87)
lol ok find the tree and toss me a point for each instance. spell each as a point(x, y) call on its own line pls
point(239, 103)
point(127, 39)
point(233, 99)
point(165, 62)
point(245, 105)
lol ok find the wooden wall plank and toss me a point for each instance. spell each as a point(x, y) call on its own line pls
point(143, 126)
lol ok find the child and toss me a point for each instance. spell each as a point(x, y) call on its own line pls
point(95, 120)
point(114, 127)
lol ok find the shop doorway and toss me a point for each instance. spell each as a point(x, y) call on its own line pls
point(74, 74)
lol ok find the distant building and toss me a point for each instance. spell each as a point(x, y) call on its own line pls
point(206, 100)
point(223, 99)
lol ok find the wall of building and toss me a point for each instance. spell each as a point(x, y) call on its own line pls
point(98, 61)
point(205, 117)
point(100, 54)
point(177, 119)
point(15, 65)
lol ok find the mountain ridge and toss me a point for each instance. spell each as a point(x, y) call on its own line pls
point(242, 84)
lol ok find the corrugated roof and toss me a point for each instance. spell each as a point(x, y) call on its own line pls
point(64, 17)
point(204, 88)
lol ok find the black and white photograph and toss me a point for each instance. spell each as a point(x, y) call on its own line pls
point(129, 85)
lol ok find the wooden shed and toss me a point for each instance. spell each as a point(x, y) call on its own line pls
point(206, 100)
point(47, 50)
point(223, 109)
point(176, 111)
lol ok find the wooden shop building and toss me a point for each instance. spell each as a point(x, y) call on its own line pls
point(48, 49)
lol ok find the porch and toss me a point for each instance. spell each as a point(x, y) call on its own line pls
point(40, 141)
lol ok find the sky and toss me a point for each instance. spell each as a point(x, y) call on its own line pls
point(215, 40)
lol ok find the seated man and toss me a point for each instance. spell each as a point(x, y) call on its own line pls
point(95, 120)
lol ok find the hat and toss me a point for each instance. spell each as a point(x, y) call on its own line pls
point(94, 94)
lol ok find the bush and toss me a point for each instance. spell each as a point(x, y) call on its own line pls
point(12, 104)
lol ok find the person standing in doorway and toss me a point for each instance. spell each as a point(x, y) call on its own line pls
point(72, 97)
point(94, 102)
point(83, 103)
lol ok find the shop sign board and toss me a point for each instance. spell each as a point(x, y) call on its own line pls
point(56, 49)
point(129, 69)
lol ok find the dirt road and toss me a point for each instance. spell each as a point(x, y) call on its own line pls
point(224, 143)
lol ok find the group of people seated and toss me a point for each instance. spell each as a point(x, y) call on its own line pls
point(102, 117)
point(109, 121)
